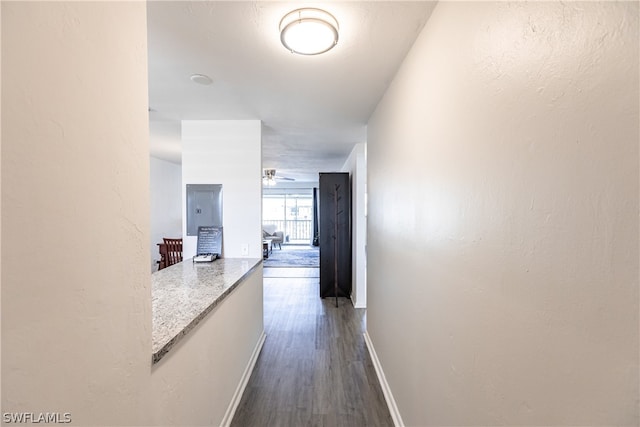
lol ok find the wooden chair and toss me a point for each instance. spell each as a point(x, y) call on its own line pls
point(170, 252)
point(174, 251)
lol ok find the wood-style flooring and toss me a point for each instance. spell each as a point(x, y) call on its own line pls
point(314, 368)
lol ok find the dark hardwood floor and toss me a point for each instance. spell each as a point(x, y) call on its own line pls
point(314, 368)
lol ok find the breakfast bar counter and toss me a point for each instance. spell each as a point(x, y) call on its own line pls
point(184, 293)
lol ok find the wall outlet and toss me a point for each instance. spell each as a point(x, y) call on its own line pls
point(244, 249)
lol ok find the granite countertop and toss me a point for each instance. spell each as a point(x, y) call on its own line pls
point(183, 294)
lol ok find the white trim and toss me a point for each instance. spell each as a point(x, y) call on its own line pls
point(386, 390)
point(354, 302)
point(235, 401)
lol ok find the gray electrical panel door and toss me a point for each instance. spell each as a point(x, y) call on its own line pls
point(204, 207)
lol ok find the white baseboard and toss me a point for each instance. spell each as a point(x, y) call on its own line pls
point(237, 396)
point(386, 390)
point(355, 302)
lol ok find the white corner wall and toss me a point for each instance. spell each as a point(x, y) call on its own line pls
point(356, 165)
point(76, 306)
point(166, 204)
point(503, 217)
point(227, 152)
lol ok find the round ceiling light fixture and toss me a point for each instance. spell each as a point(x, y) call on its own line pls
point(309, 31)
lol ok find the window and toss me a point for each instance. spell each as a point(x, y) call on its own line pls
point(290, 213)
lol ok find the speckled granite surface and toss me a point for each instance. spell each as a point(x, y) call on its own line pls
point(183, 294)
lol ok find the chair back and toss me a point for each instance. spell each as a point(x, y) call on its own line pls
point(173, 251)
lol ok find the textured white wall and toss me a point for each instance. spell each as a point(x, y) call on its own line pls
point(227, 152)
point(166, 204)
point(503, 217)
point(76, 307)
point(356, 164)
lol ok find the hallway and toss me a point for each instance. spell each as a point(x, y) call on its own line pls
point(314, 368)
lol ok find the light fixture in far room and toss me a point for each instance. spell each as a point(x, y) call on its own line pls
point(269, 177)
point(309, 31)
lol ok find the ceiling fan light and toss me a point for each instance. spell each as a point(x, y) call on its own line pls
point(269, 178)
point(309, 31)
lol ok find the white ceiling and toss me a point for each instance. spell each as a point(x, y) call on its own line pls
point(313, 108)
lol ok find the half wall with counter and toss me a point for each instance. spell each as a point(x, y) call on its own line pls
point(207, 333)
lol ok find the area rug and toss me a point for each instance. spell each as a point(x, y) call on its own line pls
point(293, 256)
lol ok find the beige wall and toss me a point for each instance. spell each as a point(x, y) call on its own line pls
point(503, 217)
point(76, 299)
point(76, 307)
point(0, 205)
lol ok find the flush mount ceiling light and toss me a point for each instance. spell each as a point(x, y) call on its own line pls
point(309, 31)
